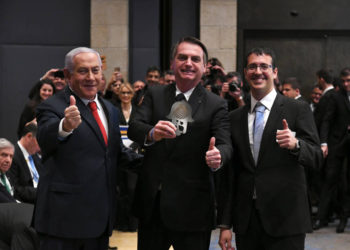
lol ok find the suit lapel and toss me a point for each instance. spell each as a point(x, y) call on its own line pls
point(23, 164)
point(245, 132)
point(86, 115)
point(169, 99)
point(196, 99)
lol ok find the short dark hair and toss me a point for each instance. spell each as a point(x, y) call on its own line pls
point(234, 74)
point(326, 75)
point(262, 51)
point(169, 72)
point(152, 68)
point(29, 128)
point(345, 72)
point(293, 81)
point(193, 40)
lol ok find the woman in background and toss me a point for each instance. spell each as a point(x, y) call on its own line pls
point(40, 92)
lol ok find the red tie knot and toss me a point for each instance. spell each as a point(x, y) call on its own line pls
point(93, 106)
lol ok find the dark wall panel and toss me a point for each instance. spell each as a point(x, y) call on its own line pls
point(295, 14)
point(296, 57)
point(144, 36)
point(34, 37)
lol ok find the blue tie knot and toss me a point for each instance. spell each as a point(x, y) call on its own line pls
point(259, 107)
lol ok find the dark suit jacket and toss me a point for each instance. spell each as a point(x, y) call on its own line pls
point(301, 98)
point(5, 196)
point(321, 108)
point(334, 127)
point(20, 176)
point(279, 176)
point(76, 196)
point(178, 165)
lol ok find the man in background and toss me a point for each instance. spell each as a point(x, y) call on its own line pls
point(291, 88)
point(26, 165)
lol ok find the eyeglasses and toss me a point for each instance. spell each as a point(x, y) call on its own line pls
point(115, 84)
point(346, 80)
point(125, 93)
point(263, 67)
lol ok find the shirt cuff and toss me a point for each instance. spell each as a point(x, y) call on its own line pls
point(61, 133)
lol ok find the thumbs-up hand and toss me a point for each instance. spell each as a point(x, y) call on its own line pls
point(286, 138)
point(213, 156)
point(72, 117)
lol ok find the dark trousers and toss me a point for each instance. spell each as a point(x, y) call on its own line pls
point(257, 239)
point(48, 242)
point(333, 184)
point(155, 236)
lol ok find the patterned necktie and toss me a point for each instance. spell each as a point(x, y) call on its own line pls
point(3, 179)
point(32, 166)
point(258, 129)
point(180, 97)
point(94, 111)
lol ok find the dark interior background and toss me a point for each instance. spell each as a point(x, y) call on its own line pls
point(155, 25)
point(34, 37)
point(305, 35)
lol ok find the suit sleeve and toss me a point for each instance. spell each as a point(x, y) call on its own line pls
point(48, 122)
point(310, 154)
point(327, 119)
point(140, 121)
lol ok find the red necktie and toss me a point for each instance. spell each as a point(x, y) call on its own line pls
point(93, 108)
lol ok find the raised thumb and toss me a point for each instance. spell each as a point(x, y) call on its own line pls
point(72, 100)
point(212, 143)
point(285, 124)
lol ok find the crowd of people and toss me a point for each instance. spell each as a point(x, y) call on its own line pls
point(176, 155)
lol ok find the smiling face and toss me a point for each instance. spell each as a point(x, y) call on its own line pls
point(6, 155)
point(86, 76)
point(260, 74)
point(188, 65)
point(125, 94)
point(46, 91)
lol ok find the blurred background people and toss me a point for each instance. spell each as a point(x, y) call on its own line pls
point(40, 92)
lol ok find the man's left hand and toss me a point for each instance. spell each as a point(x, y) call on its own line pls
point(285, 138)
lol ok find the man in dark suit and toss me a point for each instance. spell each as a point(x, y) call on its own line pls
point(26, 165)
point(78, 133)
point(325, 80)
point(334, 132)
point(175, 193)
point(274, 139)
point(291, 88)
point(15, 218)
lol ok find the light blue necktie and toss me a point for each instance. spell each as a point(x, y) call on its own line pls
point(258, 129)
point(32, 166)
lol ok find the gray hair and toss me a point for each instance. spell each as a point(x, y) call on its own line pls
point(69, 64)
point(4, 143)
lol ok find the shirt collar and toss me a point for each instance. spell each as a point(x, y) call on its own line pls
point(267, 100)
point(187, 94)
point(327, 89)
point(24, 151)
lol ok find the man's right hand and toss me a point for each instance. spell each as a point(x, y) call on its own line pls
point(163, 129)
point(49, 74)
point(225, 239)
point(72, 117)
